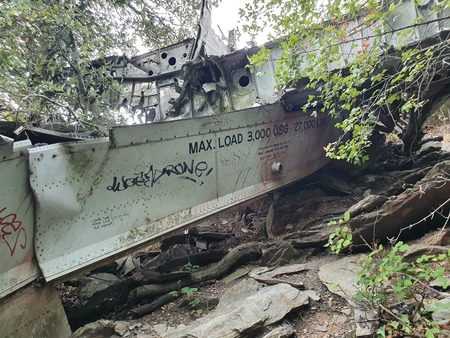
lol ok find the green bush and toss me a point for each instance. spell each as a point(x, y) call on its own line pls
point(397, 287)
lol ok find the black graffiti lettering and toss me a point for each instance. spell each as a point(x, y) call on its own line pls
point(192, 171)
point(200, 168)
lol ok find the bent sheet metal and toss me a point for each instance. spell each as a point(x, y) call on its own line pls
point(99, 198)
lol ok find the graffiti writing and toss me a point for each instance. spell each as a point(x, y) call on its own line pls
point(235, 158)
point(12, 232)
point(193, 171)
point(102, 222)
point(221, 121)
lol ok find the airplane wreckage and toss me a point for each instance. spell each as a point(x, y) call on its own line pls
point(220, 135)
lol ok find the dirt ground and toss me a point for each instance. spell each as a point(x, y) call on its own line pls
point(331, 316)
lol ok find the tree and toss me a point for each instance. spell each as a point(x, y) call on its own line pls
point(382, 78)
point(53, 53)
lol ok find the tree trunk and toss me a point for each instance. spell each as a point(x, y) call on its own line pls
point(239, 255)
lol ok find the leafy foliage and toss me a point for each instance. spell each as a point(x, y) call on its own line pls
point(342, 238)
point(188, 291)
point(397, 288)
point(190, 267)
point(370, 82)
point(193, 301)
point(52, 52)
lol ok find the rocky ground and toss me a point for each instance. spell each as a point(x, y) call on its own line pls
point(261, 270)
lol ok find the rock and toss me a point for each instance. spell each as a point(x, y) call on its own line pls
point(285, 270)
point(201, 244)
point(265, 307)
point(260, 227)
point(336, 181)
point(160, 328)
point(429, 147)
point(340, 277)
point(94, 283)
point(442, 315)
point(126, 266)
point(440, 237)
point(263, 275)
point(443, 237)
point(314, 231)
point(259, 270)
point(239, 291)
point(176, 251)
point(167, 243)
point(321, 328)
point(340, 319)
point(346, 311)
point(238, 273)
point(424, 140)
point(432, 158)
point(366, 322)
point(416, 250)
point(99, 329)
point(415, 176)
point(135, 326)
point(279, 254)
point(121, 328)
point(284, 331)
point(368, 204)
point(108, 268)
point(290, 209)
point(407, 209)
point(270, 222)
point(208, 231)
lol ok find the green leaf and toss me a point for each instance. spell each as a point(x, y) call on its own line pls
point(438, 272)
point(403, 248)
point(347, 216)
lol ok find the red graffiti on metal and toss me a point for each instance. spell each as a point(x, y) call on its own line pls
point(12, 232)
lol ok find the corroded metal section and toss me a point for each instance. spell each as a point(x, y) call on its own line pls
point(34, 312)
point(97, 199)
point(216, 84)
point(166, 60)
point(18, 265)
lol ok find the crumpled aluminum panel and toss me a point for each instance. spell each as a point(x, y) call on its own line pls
point(18, 265)
point(96, 199)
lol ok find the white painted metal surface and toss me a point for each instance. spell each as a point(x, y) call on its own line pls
point(95, 199)
point(18, 265)
point(165, 60)
point(33, 312)
point(410, 23)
